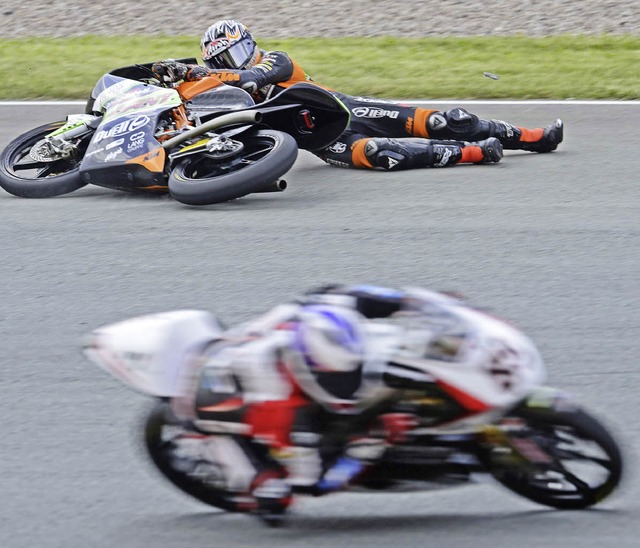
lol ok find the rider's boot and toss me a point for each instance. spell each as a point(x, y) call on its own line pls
point(552, 136)
point(488, 151)
point(462, 125)
point(534, 140)
point(360, 452)
point(340, 474)
point(272, 495)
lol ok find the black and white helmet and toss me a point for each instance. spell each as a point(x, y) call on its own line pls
point(228, 44)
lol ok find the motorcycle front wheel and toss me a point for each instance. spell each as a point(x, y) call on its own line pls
point(562, 459)
point(262, 158)
point(177, 453)
point(27, 177)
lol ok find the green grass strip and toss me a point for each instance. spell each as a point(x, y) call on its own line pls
point(559, 67)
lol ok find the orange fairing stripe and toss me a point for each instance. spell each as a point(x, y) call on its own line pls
point(420, 124)
point(188, 90)
point(531, 135)
point(153, 161)
point(358, 156)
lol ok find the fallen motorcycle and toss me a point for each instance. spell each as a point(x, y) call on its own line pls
point(203, 142)
point(544, 447)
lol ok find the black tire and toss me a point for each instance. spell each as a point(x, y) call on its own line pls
point(267, 155)
point(162, 435)
point(41, 180)
point(563, 482)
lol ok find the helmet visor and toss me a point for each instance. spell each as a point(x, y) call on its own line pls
point(235, 56)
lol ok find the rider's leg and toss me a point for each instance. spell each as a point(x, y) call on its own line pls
point(458, 123)
point(269, 487)
point(411, 153)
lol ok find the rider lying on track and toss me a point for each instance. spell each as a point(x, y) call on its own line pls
point(317, 378)
point(382, 134)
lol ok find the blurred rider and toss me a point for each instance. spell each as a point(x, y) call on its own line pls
point(310, 386)
point(382, 134)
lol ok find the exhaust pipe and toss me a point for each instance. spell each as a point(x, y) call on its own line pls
point(274, 186)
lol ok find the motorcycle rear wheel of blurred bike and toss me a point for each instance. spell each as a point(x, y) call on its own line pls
point(260, 158)
point(28, 177)
point(177, 453)
point(563, 459)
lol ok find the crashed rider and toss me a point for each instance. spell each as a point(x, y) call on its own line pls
point(310, 385)
point(382, 134)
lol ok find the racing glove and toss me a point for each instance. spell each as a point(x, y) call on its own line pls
point(169, 71)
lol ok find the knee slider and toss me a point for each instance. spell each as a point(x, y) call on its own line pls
point(454, 123)
point(386, 153)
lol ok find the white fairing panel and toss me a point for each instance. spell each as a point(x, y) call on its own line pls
point(147, 353)
point(493, 362)
point(502, 366)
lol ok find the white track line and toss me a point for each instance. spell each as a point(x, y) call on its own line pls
point(411, 102)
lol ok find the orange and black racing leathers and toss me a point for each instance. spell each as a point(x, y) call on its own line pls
point(388, 134)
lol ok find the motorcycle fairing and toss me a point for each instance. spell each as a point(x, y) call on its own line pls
point(311, 115)
point(315, 125)
point(151, 353)
point(123, 153)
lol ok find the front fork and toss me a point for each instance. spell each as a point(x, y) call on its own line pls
point(61, 144)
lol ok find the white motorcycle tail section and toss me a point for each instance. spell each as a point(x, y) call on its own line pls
point(148, 353)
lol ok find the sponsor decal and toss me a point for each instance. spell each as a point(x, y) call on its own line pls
point(152, 155)
point(216, 47)
point(135, 145)
point(371, 112)
point(113, 91)
point(227, 76)
point(437, 121)
point(337, 148)
point(391, 162)
point(113, 154)
point(444, 159)
point(135, 102)
point(408, 126)
point(370, 148)
point(136, 141)
point(96, 151)
point(373, 100)
point(122, 128)
point(115, 143)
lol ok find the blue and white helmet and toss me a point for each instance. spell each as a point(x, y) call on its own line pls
point(331, 338)
point(228, 44)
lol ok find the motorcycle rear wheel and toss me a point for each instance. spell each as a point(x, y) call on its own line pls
point(584, 463)
point(27, 178)
point(266, 156)
point(164, 437)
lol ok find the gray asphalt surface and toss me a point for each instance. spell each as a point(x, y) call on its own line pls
point(549, 241)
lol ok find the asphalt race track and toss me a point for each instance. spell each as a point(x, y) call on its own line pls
point(551, 242)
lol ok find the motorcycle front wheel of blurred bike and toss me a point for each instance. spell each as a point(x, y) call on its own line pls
point(26, 177)
point(178, 454)
point(563, 459)
point(264, 156)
